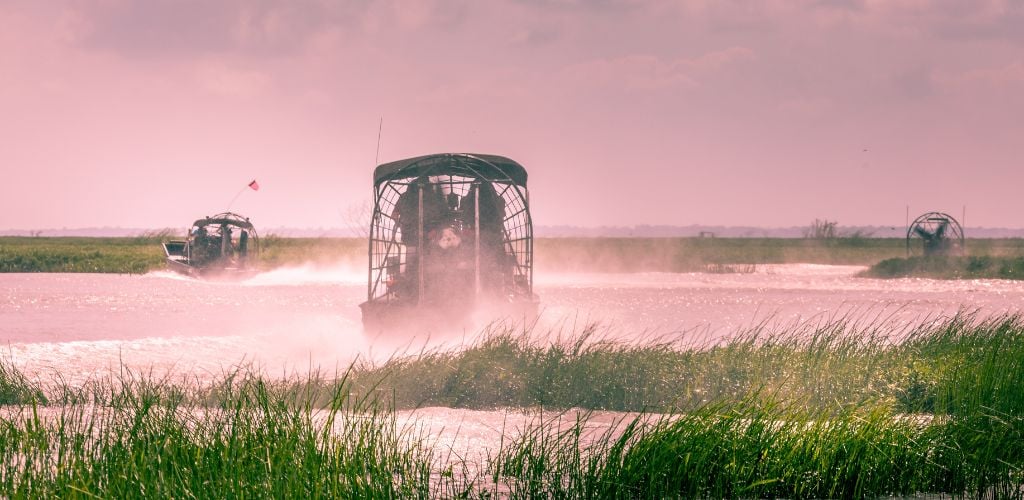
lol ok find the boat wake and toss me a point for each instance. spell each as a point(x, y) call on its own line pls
point(306, 274)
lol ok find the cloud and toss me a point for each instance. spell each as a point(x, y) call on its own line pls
point(1008, 77)
point(847, 5)
point(914, 82)
point(221, 79)
point(649, 73)
point(806, 106)
point(953, 20)
point(186, 28)
point(499, 85)
point(392, 17)
point(613, 5)
point(535, 36)
point(447, 14)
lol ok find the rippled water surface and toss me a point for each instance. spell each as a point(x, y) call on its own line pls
point(78, 326)
point(290, 319)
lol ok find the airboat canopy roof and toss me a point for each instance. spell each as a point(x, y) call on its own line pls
point(491, 166)
point(225, 218)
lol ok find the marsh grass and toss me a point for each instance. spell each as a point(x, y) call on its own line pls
point(837, 409)
point(971, 267)
point(80, 255)
point(16, 388)
point(701, 254)
point(279, 251)
point(243, 436)
point(835, 362)
point(760, 448)
point(143, 253)
point(718, 268)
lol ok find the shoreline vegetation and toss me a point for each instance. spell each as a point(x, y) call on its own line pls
point(842, 409)
point(142, 254)
point(949, 268)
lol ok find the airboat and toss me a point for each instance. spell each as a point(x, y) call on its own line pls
point(940, 234)
point(451, 239)
point(225, 245)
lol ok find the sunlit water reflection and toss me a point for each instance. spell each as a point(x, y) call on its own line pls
point(292, 319)
point(78, 326)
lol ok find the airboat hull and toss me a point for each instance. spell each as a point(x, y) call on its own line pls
point(182, 268)
point(211, 272)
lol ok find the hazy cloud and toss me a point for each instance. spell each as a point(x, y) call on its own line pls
point(646, 72)
point(1008, 77)
point(535, 36)
point(184, 28)
point(773, 97)
point(957, 19)
point(219, 78)
point(914, 83)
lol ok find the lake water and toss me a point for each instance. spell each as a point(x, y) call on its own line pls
point(291, 319)
point(79, 326)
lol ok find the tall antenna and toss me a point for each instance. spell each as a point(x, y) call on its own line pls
point(908, 231)
point(239, 193)
point(380, 128)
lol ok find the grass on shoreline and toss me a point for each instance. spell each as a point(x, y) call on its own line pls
point(143, 254)
point(833, 366)
point(80, 255)
point(139, 255)
point(842, 409)
point(971, 267)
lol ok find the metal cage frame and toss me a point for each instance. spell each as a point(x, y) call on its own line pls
point(930, 223)
point(454, 248)
point(227, 219)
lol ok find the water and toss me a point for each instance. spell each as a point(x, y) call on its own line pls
point(291, 319)
point(83, 325)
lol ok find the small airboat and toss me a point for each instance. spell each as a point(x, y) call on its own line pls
point(450, 238)
point(225, 245)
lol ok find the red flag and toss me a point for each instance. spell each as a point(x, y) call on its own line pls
point(254, 185)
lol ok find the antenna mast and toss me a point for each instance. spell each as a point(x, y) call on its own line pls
point(380, 128)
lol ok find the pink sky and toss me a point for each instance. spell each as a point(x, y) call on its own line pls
point(152, 113)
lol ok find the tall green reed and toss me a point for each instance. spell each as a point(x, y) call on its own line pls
point(17, 388)
point(244, 436)
point(840, 408)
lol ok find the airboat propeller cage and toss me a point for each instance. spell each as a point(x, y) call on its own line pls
point(226, 243)
point(248, 241)
point(450, 229)
point(940, 234)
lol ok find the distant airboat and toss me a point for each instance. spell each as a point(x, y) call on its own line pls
point(225, 245)
point(940, 235)
point(450, 235)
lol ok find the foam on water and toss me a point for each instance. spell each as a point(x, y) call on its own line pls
point(301, 275)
